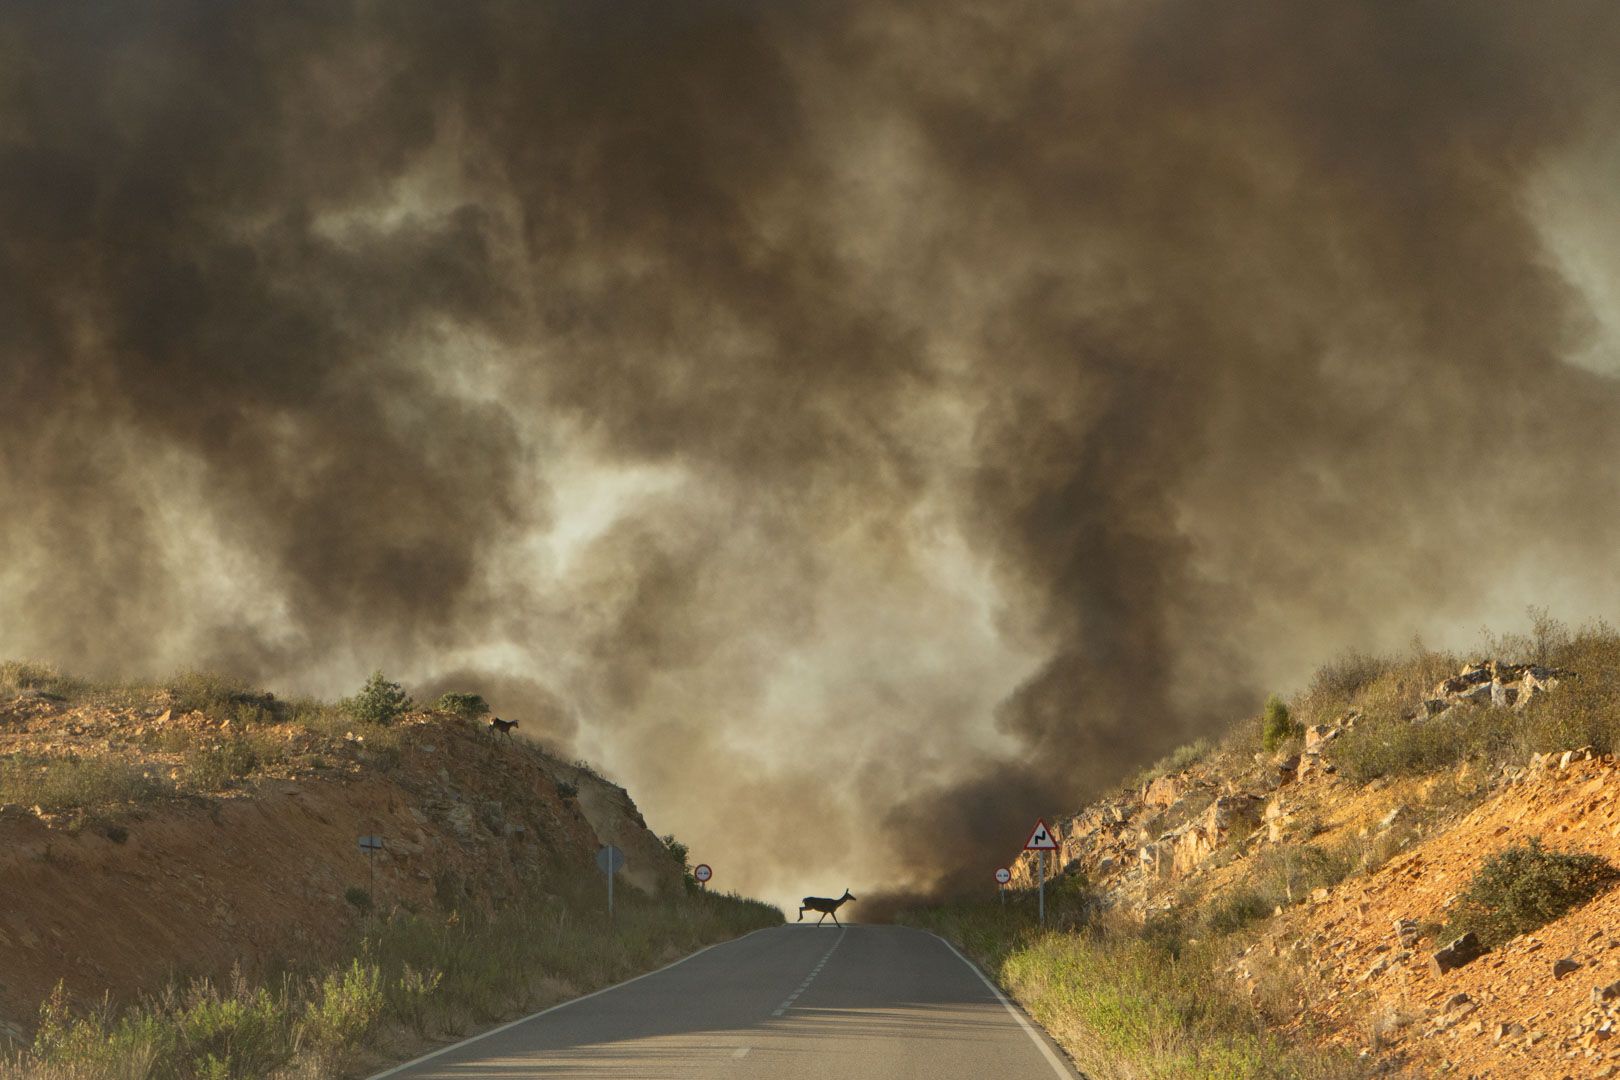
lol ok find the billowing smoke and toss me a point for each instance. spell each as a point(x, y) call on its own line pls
point(861, 427)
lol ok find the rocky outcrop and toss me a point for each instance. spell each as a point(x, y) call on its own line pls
point(1493, 684)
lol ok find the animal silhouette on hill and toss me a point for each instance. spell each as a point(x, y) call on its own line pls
point(503, 726)
point(825, 906)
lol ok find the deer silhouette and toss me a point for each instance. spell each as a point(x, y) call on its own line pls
point(503, 726)
point(825, 906)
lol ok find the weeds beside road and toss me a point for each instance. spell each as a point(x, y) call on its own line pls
point(411, 980)
point(1129, 1002)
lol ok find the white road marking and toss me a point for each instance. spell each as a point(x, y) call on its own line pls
point(574, 1001)
point(813, 973)
point(1051, 1058)
point(741, 1051)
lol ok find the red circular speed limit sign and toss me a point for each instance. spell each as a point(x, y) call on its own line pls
point(1003, 876)
point(702, 872)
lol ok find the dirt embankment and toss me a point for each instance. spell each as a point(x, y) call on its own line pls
point(124, 899)
point(1538, 1006)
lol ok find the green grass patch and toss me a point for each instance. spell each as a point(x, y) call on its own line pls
point(1131, 1001)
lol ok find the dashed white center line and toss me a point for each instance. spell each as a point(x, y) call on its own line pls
point(741, 1051)
point(810, 978)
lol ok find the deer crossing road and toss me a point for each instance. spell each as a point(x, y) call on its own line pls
point(789, 1003)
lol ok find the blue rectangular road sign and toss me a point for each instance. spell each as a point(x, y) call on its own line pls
point(370, 843)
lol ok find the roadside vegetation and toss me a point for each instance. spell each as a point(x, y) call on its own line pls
point(1131, 1001)
point(410, 978)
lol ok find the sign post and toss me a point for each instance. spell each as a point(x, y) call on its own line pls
point(610, 860)
point(1003, 875)
point(702, 873)
point(371, 845)
point(1040, 842)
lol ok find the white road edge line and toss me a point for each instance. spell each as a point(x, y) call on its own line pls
point(441, 1051)
point(1051, 1058)
point(741, 1051)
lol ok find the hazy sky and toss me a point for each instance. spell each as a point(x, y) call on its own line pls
point(859, 427)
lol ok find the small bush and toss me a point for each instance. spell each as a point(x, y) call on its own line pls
point(1346, 675)
point(680, 853)
point(346, 1010)
point(358, 898)
point(466, 706)
point(1523, 888)
point(221, 697)
point(19, 675)
point(1277, 726)
point(566, 791)
point(378, 702)
point(219, 765)
point(1180, 758)
point(1236, 908)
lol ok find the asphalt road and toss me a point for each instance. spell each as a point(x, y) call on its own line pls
point(791, 1003)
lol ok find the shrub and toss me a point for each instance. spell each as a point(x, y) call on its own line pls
point(680, 853)
point(567, 791)
point(1346, 675)
point(358, 898)
point(214, 766)
point(378, 702)
point(222, 697)
point(1236, 908)
point(1180, 758)
point(19, 675)
point(466, 706)
point(346, 1010)
point(1276, 725)
point(1523, 888)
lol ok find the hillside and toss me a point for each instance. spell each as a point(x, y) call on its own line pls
point(152, 836)
point(1288, 912)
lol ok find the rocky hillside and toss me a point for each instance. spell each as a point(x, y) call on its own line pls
point(154, 833)
point(1341, 874)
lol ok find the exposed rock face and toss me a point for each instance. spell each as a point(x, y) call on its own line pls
point(1495, 684)
point(1165, 791)
point(1227, 816)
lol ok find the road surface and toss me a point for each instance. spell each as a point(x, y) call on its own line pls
point(790, 1003)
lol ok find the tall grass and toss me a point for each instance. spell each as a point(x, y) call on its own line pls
point(79, 784)
point(426, 974)
point(1128, 1001)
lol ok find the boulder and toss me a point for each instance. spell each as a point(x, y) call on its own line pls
point(1463, 950)
point(1318, 734)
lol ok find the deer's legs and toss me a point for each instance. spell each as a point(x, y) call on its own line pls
point(801, 915)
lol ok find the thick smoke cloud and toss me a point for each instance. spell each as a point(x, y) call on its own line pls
point(861, 427)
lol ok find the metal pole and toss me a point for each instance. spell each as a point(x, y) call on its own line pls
point(610, 889)
point(1040, 861)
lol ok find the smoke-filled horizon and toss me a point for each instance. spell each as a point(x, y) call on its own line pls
point(860, 428)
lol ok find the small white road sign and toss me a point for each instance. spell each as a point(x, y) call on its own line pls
point(1003, 876)
point(702, 872)
point(1041, 839)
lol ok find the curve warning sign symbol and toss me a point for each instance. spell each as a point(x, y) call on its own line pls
point(1041, 839)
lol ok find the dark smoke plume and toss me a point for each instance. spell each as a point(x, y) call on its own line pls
point(862, 426)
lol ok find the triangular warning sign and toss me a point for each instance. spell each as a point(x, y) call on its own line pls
point(1041, 839)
